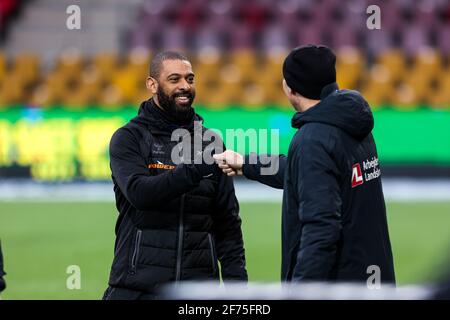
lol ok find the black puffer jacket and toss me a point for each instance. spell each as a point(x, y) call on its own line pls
point(334, 215)
point(173, 225)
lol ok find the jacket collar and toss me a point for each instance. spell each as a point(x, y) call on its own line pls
point(328, 89)
point(152, 117)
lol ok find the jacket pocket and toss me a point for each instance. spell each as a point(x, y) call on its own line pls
point(213, 253)
point(135, 256)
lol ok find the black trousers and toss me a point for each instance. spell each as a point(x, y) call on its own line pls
point(115, 293)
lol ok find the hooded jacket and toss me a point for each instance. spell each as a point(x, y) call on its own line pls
point(173, 225)
point(334, 225)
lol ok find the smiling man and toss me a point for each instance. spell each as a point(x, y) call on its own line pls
point(176, 221)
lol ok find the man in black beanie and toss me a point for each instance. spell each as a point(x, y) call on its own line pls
point(307, 70)
point(334, 218)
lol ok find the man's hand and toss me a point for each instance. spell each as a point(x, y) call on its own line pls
point(230, 162)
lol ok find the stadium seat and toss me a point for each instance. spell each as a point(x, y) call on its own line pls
point(26, 67)
point(238, 47)
point(3, 69)
point(394, 61)
point(70, 64)
point(428, 61)
point(377, 85)
point(12, 91)
point(349, 65)
point(440, 98)
point(405, 96)
point(106, 63)
point(138, 62)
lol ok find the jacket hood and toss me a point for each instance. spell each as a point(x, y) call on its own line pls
point(150, 116)
point(345, 109)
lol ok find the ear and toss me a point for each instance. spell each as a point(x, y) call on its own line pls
point(287, 90)
point(152, 85)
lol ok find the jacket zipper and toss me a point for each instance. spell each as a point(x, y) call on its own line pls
point(213, 256)
point(180, 240)
point(137, 242)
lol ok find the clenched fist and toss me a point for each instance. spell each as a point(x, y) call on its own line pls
point(230, 162)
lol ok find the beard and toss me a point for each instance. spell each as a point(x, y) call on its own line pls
point(180, 112)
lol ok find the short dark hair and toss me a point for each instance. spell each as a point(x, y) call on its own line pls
point(156, 64)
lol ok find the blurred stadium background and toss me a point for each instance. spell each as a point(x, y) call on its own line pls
point(64, 92)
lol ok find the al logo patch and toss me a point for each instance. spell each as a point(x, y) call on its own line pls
point(357, 177)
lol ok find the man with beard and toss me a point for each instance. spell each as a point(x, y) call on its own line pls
point(177, 218)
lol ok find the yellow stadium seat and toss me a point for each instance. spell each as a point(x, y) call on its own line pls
point(280, 100)
point(428, 61)
point(70, 64)
point(106, 64)
point(27, 67)
point(274, 60)
point(254, 96)
point(219, 94)
point(91, 75)
point(440, 98)
point(394, 61)
point(241, 77)
point(12, 92)
point(42, 96)
point(244, 59)
point(127, 82)
point(2, 66)
point(206, 66)
point(141, 95)
point(426, 68)
point(270, 84)
point(377, 85)
point(246, 63)
point(111, 97)
point(372, 95)
point(57, 85)
point(206, 62)
point(83, 96)
point(139, 61)
point(419, 83)
point(349, 65)
point(405, 97)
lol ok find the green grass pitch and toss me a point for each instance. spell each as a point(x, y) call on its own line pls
point(40, 240)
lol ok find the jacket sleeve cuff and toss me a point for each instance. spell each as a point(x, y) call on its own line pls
point(251, 166)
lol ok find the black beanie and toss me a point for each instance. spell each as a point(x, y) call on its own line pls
point(307, 69)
